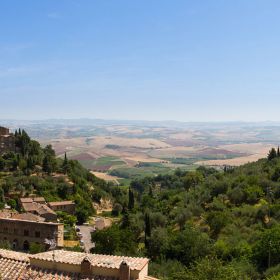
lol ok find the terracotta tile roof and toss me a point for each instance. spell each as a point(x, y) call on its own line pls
point(44, 209)
point(39, 274)
point(14, 255)
point(105, 261)
point(39, 199)
point(7, 213)
point(16, 266)
point(11, 269)
point(58, 203)
point(26, 200)
point(37, 207)
point(32, 199)
point(28, 206)
point(28, 217)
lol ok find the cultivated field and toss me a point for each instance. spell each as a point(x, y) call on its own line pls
point(129, 150)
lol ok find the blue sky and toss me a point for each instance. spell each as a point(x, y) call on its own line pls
point(187, 60)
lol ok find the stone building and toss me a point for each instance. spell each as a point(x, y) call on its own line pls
point(21, 233)
point(38, 206)
point(7, 140)
point(65, 265)
point(65, 206)
point(37, 199)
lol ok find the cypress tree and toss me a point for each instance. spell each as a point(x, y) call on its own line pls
point(65, 164)
point(125, 219)
point(147, 229)
point(151, 192)
point(130, 199)
point(278, 152)
point(272, 154)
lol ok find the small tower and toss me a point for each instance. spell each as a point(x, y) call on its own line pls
point(86, 268)
point(124, 271)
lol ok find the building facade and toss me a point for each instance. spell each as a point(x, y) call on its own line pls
point(7, 140)
point(38, 206)
point(64, 206)
point(65, 265)
point(21, 233)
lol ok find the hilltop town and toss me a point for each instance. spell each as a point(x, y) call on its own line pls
point(44, 203)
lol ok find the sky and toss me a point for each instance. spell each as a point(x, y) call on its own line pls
point(185, 60)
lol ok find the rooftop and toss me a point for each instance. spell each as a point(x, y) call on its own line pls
point(28, 217)
point(18, 266)
point(105, 261)
point(59, 203)
point(30, 221)
point(37, 207)
point(5, 213)
point(32, 199)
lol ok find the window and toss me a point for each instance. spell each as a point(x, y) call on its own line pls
point(26, 232)
point(37, 234)
point(15, 231)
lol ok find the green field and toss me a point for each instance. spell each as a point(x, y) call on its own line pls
point(108, 161)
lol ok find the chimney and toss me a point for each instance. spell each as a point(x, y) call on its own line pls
point(124, 271)
point(86, 268)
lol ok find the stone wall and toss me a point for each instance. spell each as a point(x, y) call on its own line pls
point(21, 234)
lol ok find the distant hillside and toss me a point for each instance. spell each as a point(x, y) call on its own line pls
point(33, 169)
point(203, 224)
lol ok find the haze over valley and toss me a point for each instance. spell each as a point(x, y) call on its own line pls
point(116, 150)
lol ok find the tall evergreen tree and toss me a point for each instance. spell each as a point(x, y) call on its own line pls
point(130, 199)
point(46, 165)
point(272, 154)
point(125, 219)
point(148, 229)
point(65, 166)
point(278, 152)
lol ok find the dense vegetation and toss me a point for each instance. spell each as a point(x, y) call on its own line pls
point(203, 224)
point(32, 169)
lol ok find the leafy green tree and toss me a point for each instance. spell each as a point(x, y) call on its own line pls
point(12, 203)
point(66, 218)
point(114, 240)
point(266, 252)
point(4, 244)
point(117, 209)
point(158, 243)
point(210, 268)
point(2, 164)
point(273, 277)
point(217, 220)
point(188, 245)
point(36, 248)
point(192, 179)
